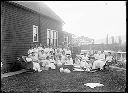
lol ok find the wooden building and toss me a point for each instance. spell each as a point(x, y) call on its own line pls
point(24, 24)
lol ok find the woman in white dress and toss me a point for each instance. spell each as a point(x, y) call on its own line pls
point(109, 59)
point(63, 57)
point(35, 61)
point(85, 62)
point(52, 63)
point(100, 61)
point(77, 61)
point(43, 59)
point(69, 63)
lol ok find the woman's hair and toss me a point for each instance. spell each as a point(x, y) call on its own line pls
point(109, 52)
point(63, 52)
point(42, 50)
point(47, 57)
point(60, 57)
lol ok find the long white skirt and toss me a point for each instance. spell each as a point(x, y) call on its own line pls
point(85, 64)
point(36, 67)
point(52, 66)
point(98, 64)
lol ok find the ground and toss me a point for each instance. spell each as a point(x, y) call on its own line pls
point(48, 81)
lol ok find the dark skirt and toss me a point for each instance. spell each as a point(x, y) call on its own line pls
point(29, 65)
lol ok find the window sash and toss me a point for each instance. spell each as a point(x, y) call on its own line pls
point(51, 33)
point(35, 33)
point(52, 36)
point(48, 33)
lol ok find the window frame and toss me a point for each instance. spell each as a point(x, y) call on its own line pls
point(53, 37)
point(34, 26)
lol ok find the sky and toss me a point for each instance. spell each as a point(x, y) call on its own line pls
point(93, 19)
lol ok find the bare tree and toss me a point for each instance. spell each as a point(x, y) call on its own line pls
point(112, 37)
point(120, 40)
point(107, 39)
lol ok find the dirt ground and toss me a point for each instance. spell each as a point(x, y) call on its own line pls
point(49, 81)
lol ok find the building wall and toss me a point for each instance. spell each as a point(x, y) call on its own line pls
point(47, 23)
point(17, 32)
point(60, 38)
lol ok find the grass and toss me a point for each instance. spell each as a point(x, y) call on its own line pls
point(73, 82)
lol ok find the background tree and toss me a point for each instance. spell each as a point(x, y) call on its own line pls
point(120, 40)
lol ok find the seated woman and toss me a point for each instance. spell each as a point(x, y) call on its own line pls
point(100, 62)
point(109, 59)
point(63, 57)
point(58, 63)
point(85, 63)
point(67, 51)
point(47, 63)
point(40, 48)
point(30, 50)
point(69, 63)
point(77, 61)
point(34, 57)
point(43, 59)
point(57, 54)
point(52, 63)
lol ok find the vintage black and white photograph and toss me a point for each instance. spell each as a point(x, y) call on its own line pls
point(63, 46)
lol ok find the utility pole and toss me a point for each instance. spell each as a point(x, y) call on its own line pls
point(107, 39)
point(112, 37)
point(120, 40)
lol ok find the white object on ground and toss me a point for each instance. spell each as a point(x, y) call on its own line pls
point(76, 66)
point(87, 69)
point(78, 69)
point(93, 85)
point(61, 69)
point(52, 66)
point(67, 70)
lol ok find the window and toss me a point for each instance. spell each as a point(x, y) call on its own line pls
point(48, 36)
point(65, 38)
point(52, 31)
point(35, 33)
point(52, 37)
point(55, 39)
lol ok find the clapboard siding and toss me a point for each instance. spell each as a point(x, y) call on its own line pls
point(47, 23)
point(17, 32)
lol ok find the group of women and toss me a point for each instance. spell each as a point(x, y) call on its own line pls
point(93, 61)
point(45, 58)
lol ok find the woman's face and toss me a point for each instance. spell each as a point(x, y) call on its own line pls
point(33, 54)
point(69, 57)
point(51, 57)
point(63, 52)
point(42, 51)
point(109, 54)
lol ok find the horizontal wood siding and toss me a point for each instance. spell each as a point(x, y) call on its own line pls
point(47, 23)
point(61, 38)
point(17, 31)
